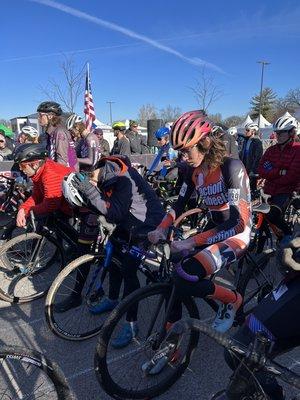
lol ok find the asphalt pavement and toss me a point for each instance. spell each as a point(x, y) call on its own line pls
point(25, 325)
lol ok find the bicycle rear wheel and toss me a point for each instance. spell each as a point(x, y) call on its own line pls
point(77, 323)
point(28, 265)
point(259, 276)
point(27, 374)
point(119, 371)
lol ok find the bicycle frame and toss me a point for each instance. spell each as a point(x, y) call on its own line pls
point(253, 357)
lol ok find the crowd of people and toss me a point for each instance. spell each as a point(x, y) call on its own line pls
point(72, 167)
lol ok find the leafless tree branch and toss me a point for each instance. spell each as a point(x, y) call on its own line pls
point(206, 91)
point(68, 92)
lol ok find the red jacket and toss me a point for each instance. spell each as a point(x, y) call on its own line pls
point(47, 190)
point(281, 168)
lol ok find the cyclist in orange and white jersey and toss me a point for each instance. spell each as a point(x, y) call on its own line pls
point(224, 186)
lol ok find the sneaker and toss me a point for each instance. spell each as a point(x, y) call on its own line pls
point(224, 318)
point(105, 305)
point(126, 335)
point(159, 361)
point(70, 302)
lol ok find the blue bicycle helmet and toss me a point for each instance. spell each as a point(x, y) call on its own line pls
point(161, 132)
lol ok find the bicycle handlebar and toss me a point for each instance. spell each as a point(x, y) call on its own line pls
point(260, 360)
point(7, 178)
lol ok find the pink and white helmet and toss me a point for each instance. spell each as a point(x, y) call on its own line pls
point(189, 129)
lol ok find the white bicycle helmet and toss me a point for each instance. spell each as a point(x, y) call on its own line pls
point(217, 130)
point(285, 123)
point(232, 131)
point(72, 120)
point(70, 193)
point(252, 125)
point(30, 131)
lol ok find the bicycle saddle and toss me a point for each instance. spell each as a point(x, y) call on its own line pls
point(262, 208)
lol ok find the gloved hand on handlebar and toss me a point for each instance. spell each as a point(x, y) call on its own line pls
point(157, 235)
point(183, 245)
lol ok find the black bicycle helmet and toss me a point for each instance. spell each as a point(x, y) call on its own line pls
point(30, 152)
point(50, 107)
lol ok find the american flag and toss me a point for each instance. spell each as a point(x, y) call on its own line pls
point(89, 110)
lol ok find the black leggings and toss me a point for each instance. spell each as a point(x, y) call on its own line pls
point(278, 315)
point(202, 288)
point(125, 271)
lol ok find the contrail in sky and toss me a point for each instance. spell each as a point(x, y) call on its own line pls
point(127, 32)
point(61, 53)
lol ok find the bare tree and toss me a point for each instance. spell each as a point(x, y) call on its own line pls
point(206, 91)
point(5, 122)
point(170, 113)
point(293, 98)
point(216, 118)
point(233, 120)
point(67, 92)
point(147, 111)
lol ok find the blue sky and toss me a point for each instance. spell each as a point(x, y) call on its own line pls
point(148, 52)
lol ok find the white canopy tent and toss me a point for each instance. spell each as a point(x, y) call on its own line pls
point(263, 123)
point(287, 114)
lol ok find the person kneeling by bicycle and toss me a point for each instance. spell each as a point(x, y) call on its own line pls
point(224, 186)
point(276, 316)
point(118, 192)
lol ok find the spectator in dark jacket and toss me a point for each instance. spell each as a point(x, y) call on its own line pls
point(121, 144)
point(137, 141)
point(251, 152)
point(103, 143)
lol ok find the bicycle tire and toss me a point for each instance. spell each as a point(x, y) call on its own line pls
point(253, 272)
point(112, 387)
point(58, 254)
point(34, 359)
point(53, 321)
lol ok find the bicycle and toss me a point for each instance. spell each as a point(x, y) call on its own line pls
point(31, 261)
point(75, 324)
point(254, 274)
point(28, 374)
point(13, 194)
point(154, 303)
point(251, 358)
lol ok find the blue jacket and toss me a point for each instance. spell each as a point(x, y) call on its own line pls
point(166, 151)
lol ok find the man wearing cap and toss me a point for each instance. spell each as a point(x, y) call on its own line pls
point(121, 144)
point(137, 141)
point(103, 143)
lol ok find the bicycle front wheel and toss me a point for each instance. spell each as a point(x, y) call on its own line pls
point(27, 374)
point(28, 265)
point(80, 284)
point(119, 371)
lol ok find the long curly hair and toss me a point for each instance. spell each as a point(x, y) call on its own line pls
point(55, 121)
point(214, 149)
